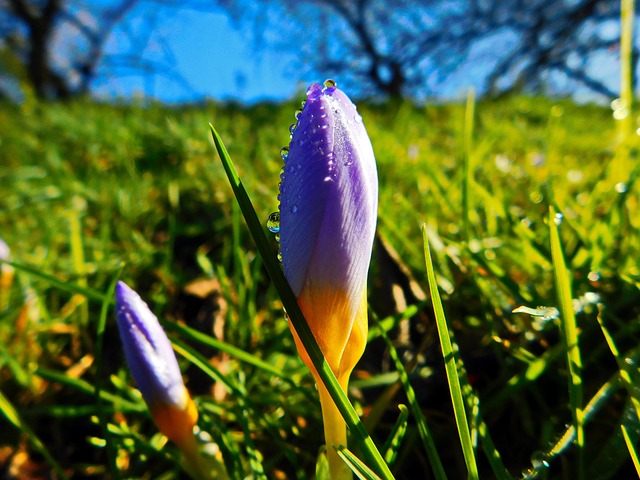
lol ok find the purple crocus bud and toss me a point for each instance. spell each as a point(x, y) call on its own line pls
point(5, 252)
point(154, 367)
point(328, 210)
point(6, 273)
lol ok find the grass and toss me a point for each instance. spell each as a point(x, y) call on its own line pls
point(92, 192)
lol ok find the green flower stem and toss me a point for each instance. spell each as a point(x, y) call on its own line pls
point(369, 450)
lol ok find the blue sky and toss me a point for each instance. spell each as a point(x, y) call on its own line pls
point(215, 58)
point(219, 61)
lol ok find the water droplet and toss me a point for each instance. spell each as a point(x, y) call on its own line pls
point(593, 276)
point(297, 113)
point(558, 218)
point(277, 237)
point(273, 222)
point(329, 83)
point(358, 118)
point(284, 152)
point(294, 209)
point(292, 127)
point(539, 462)
point(621, 187)
point(279, 256)
point(303, 103)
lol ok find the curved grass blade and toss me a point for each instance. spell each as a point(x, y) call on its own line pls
point(632, 449)
point(373, 456)
point(569, 331)
point(9, 411)
point(90, 293)
point(355, 464)
point(450, 365)
point(423, 429)
point(392, 445)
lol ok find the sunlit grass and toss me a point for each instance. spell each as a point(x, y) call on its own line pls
point(95, 192)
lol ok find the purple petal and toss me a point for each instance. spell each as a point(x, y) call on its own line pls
point(328, 197)
point(148, 351)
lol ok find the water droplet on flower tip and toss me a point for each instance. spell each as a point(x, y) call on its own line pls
point(273, 222)
point(558, 218)
point(329, 83)
point(284, 152)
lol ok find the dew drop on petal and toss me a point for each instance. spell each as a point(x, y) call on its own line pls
point(329, 83)
point(292, 127)
point(294, 209)
point(284, 152)
point(273, 222)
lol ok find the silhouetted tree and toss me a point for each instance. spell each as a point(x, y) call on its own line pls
point(409, 47)
point(60, 44)
point(29, 29)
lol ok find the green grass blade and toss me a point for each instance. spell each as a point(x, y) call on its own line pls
point(624, 367)
point(355, 464)
point(423, 429)
point(102, 416)
point(61, 284)
point(204, 364)
point(569, 332)
point(467, 168)
point(9, 411)
point(85, 387)
point(392, 445)
point(373, 456)
point(450, 364)
point(632, 449)
point(194, 335)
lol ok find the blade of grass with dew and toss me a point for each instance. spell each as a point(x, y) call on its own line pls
point(392, 445)
point(450, 364)
point(632, 449)
point(423, 429)
point(11, 414)
point(102, 417)
point(273, 267)
point(569, 331)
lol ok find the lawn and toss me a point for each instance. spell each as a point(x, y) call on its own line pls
point(526, 204)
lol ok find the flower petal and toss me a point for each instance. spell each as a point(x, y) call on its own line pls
point(328, 214)
point(148, 351)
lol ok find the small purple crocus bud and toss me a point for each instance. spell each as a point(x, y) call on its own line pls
point(6, 273)
point(154, 366)
point(328, 211)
